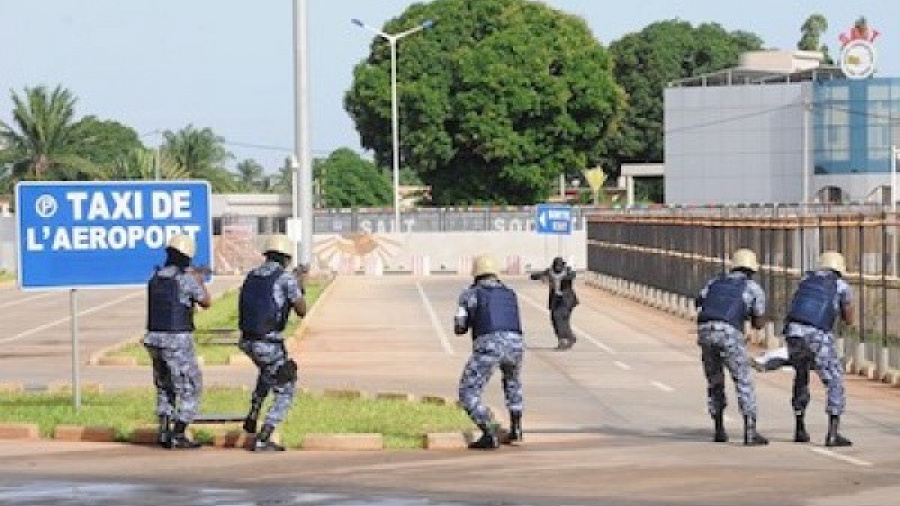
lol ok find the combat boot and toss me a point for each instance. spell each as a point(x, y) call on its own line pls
point(251, 420)
point(515, 427)
point(800, 434)
point(488, 440)
point(179, 440)
point(720, 435)
point(751, 437)
point(264, 441)
point(834, 438)
point(164, 433)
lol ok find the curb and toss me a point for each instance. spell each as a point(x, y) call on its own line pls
point(296, 338)
point(19, 431)
point(354, 442)
point(445, 441)
point(395, 396)
point(339, 393)
point(58, 387)
point(12, 388)
point(84, 434)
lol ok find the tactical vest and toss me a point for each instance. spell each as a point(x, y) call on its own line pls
point(165, 312)
point(813, 303)
point(258, 314)
point(724, 302)
point(498, 310)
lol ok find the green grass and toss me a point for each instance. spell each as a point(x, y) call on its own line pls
point(402, 423)
point(222, 315)
point(6, 275)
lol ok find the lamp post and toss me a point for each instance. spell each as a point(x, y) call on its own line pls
point(395, 127)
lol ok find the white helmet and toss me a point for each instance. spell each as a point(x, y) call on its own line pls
point(744, 259)
point(279, 243)
point(834, 261)
point(183, 244)
point(484, 264)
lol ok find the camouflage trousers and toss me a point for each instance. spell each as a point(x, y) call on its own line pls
point(490, 351)
point(178, 381)
point(722, 346)
point(808, 348)
point(269, 356)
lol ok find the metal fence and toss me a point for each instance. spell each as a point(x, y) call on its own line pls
point(678, 250)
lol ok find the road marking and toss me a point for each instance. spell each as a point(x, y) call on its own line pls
point(622, 365)
point(67, 318)
point(26, 299)
point(435, 321)
point(662, 386)
point(575, 329)
point(838, 456)
point(727, 419)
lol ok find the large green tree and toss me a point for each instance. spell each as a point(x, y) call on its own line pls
point(811, 36)
point(347, 180)
point(42, 142)
point(202, 154)
point(647, 61)
point(497, 99)
point(146, 164)
point(106, 142)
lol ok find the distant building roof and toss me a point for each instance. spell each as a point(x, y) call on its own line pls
point(764, 67)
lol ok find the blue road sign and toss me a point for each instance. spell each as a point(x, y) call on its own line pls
point(553, 219)
point(105, 234)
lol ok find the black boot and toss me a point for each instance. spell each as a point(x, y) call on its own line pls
point(800, 434)
point(488, 440)
point(751, 437)
point(515, 427)
point(180, 440)
point(252, 417)
point(263, 441)
point(834, 438)
point(164, 432)
point(720, 435)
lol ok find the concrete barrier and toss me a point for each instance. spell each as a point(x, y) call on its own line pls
point(445, 441)
point(85, 434)
point(19, 431)
point(350, 442)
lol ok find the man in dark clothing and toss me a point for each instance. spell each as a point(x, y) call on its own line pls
point(561, 300)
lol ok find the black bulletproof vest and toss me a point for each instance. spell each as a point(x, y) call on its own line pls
point(724, 302)
point(813, 303)
point(165, 312)
point(257, 312)
point(498, 310)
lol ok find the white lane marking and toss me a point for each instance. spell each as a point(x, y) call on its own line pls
point(662, 386)
point(622, 365)
point(838, 456)
point(26, 299)
point(67, 318)
point(727, 418)
point(577, 330)
point(435, 321)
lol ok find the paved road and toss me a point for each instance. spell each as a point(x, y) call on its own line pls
point(619, 419)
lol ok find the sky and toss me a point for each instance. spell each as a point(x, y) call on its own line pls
point(228, 64)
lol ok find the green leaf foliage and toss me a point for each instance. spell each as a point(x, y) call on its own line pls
point(202, 154)
point(647, 61)
point(105, 142)
point(496, 100)
point(347, 180)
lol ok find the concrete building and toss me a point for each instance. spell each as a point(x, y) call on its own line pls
point(780, 128)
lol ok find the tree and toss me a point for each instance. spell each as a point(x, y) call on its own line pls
point(811, 35)
point(250, 176)
point(106, 142)
point(202, 154)
point(43, 143)
point(347, 180)
point(496, 100)
point(145, 164)
point(282, 180)
point(647, 61)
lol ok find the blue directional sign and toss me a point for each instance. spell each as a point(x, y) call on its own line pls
point(105, 234)
point(553, 219)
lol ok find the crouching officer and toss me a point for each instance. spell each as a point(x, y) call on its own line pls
point(725, 303)
point(172, 293)
point(491, 311)
point(267, 296)
point(821, 297)
point(561, 300)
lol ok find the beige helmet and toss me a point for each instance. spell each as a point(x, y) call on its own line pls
point(834, 261)
point(279, 243)
point(183, 244)
point(744, 258)
point(484, 264)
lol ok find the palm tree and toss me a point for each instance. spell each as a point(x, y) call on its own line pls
point(202, 154)
point(41, 143)
point(142, 164)
point(250, 176)
point(283, 179)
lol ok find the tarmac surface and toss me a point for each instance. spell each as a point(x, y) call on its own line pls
point(618, 420)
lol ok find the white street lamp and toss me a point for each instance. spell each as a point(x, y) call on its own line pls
point(395, 128)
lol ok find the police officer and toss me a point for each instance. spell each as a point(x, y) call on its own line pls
point(821, 297)
point(561, 300)
point(725, 303)
point(267, 296)
point(491, 311)
point(172, 293)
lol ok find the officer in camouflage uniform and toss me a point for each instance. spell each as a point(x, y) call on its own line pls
point(725, 303)
point(173, 291)
point(821, 297)
point(491, 311)
point(267, 296)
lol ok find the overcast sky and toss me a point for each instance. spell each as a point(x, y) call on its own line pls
point(228, 64)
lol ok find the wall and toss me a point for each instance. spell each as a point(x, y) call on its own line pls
point(7, 243)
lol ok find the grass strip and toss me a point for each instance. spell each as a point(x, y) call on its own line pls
point(402, 423)
point(7, 276)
